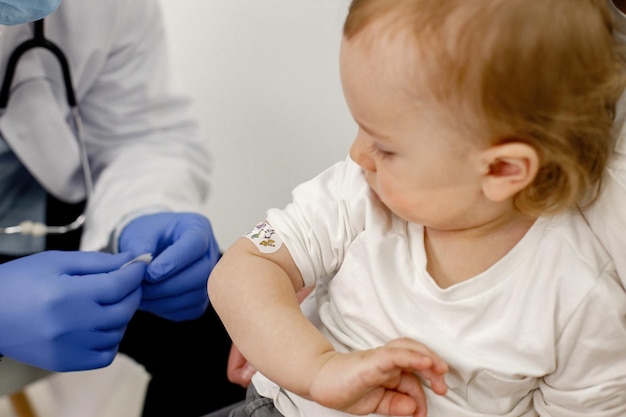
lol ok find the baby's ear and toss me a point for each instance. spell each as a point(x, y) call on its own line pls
point(509, 168)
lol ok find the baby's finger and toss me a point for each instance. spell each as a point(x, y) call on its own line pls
point(406, 343)
point(412, 387)
point(437, 381)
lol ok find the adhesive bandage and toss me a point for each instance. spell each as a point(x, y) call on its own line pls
point(264, 237)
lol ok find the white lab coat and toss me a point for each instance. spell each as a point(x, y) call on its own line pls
point(143, 146)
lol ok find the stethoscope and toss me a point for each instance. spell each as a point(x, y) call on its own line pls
point(39, 41)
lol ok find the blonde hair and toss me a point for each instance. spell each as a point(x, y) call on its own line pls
point(544, 72)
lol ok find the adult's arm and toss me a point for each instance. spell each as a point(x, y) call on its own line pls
point(144, 145)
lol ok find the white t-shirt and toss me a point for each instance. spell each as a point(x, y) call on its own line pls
point(607, 217)
point(541, 332)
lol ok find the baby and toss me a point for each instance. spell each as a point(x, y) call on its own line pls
point(454, 272)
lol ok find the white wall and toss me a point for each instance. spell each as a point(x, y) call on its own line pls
point(265, 77)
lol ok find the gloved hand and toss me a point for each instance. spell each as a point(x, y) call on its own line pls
point(185, 251)
point(67, 311)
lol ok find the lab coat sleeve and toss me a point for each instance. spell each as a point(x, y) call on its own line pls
point(143, 144)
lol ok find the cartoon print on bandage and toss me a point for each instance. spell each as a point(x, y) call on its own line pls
point(264, 237)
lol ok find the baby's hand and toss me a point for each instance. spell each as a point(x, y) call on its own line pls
point(381, 380)
point(238, 370)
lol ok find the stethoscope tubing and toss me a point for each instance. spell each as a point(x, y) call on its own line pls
point(40, 41)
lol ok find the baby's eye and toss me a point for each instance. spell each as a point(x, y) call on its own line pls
point(380, 152)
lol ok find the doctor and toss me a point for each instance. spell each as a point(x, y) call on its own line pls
point(143, 172)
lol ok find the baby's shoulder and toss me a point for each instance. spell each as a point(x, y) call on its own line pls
point(570, 241)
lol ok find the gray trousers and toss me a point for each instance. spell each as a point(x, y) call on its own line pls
point(253, 406)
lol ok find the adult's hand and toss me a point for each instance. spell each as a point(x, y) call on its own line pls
point(67, 311)
point(185, 251)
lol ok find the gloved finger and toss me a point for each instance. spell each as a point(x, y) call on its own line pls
point(87, 263)
point(190, 246)
point(108, 340)
point(103, 359)
point(184, 315)
point(96, 359)
point(73, 355)
point(192, 278)
point(138, 242)
point(115, 316)
point(115, 286)
point(193, 299)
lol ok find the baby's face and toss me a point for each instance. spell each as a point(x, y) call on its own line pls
point(421, 162)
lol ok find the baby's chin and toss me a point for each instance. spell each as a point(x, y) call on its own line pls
point(375, 195)
point(379, 202)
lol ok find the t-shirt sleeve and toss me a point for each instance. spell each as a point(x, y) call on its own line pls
point(590, 377)
point(323, 218)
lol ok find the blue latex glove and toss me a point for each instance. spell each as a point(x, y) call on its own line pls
point(67, 311)
point(185, 251)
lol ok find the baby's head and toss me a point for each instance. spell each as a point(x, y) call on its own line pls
point(542, 75)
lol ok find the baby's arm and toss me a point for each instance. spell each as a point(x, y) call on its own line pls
point(238, 369)
point(255, 295)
